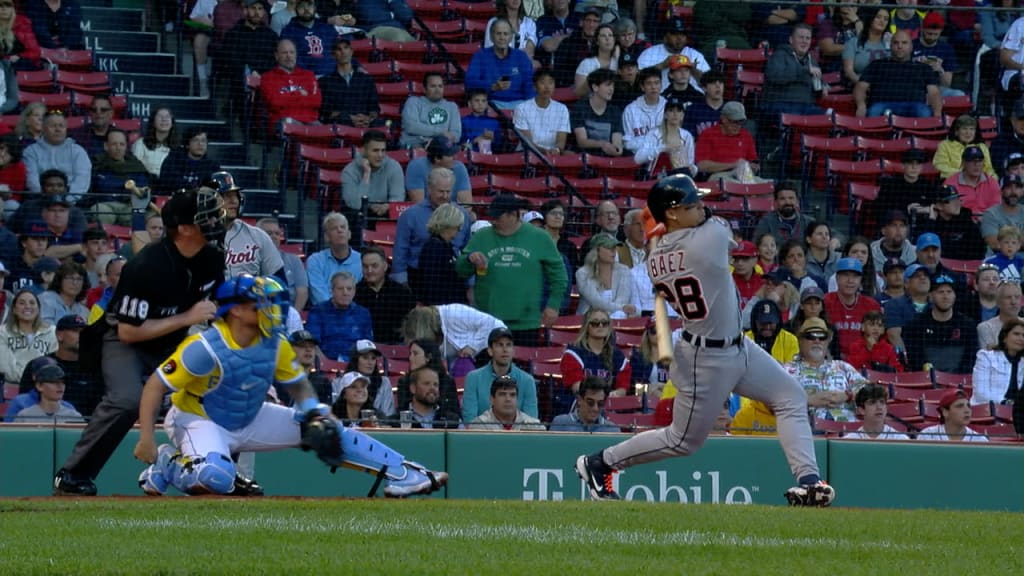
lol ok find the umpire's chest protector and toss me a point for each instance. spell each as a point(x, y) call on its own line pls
point(245, 376)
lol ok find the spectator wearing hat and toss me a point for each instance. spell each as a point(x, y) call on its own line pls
point(34, 238)
point(674, 43)
point(901, 311)
point(941, 336)
point(724, 22)
point(430, 115)
point(830, 384)
point(306, 346)
point(930, 253)
point(606, 55)
point(931, 49)
point(503, 413)
point(785, 221)
point(978, 190)
point(781, 287)
point(954, 417)
point(810, 304)
point(505, 72)
point(768, 332)
point(744, 273)
point(373, 175)
point(603, 283)
point(569, 39)
point(501, 349)
point(595, 121)
point(347, 97)
point(53, 183)
point(440, 153)
point(894, 242)
point(250, 44)
point(898, 84)
point(792, 79)
point(55, 151)
point(387, 301)
point(63, 241)
point(411, 232)
point(892, 281)
point(949, 155)
point(899, 192)
point(1007, 213)
point(1014, 165)
point(680, 88)
point(1008, 307)
point(668, 148)
point(645, 113)
point(111, 169)
point(1010, 139)
point(726, 151)
point(50, 406)
point(542, 121)
point(339, 321)
point(351, 398)
point(481, 132)
point(626, 81)
point(65, 294)
point(846, 306)
point(365, 359)
point(510, 253)
point(954, 225)
point(871, 282)
point(706, 113)
point(84, 388)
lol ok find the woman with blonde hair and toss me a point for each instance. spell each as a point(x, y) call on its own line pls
point(670, 141)
point(24, 336)
point(593, 353)
point(437, 282)
point(18, 45)
point(30, 123)
point(603, 283)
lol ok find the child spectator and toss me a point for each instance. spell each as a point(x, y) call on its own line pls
point(748, 279)
point(480, 131)
point(872, 408)
point(873, 350)
point(1008, 260)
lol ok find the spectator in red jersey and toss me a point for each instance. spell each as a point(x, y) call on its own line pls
point(290, 93)
point(748, 281)
point(846, 306)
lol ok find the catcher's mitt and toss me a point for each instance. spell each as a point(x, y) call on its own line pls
point(322, 436)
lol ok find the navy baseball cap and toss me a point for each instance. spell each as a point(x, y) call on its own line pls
point(946, 193)
point(498, 334)
point(627, 59)
point(780, 275)
point(892, 264)
point(895, 215)
point(442, 146)
point(811, 292)
point(71, 322)
point(49, 373)
point(915, 155)
point(676, 26)
point(1010, 179)
point(767, 312)
point(1013, 160)
point(35, 229)
point(302, 336)
point(849, 265)
point(928, 240)
point(972, 153)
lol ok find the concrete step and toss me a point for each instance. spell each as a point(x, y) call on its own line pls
point(136, 62)
point(183, 107)
point(118, 41)
point(246, 176)
point(216, 130)
point(228, 153)
point(151, 84)
point(116, 19)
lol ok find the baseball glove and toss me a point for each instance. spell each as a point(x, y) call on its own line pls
point(321, 435)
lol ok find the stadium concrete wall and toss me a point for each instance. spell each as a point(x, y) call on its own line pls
point(539, 466)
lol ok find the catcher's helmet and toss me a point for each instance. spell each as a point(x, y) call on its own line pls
point(671, 191)
point(271, 299)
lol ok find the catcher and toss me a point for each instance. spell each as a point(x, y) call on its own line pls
point(219, 380)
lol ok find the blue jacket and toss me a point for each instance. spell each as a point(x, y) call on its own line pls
point(411, 234)
point(313, 45)
point(486, 68)
point(395, 13)
point(473, 126)
point(337, 329)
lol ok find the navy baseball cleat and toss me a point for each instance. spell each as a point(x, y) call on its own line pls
point(64, 484)
point(818, 494)
point(245, 487)
point(598, 477)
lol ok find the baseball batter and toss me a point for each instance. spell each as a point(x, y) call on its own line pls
point(690, 268)
point(247, 249)
point(219, 381)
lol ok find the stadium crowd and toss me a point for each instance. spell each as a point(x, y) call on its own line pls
point(503, 312)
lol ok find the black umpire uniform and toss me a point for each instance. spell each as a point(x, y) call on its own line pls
point(159, 282)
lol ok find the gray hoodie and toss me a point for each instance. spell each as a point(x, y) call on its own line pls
point(68, 157)
point(788, 79)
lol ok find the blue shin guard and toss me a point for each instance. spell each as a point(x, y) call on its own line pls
point(212, 474)
point(361, 452)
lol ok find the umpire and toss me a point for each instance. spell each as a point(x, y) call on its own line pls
point(163, 291)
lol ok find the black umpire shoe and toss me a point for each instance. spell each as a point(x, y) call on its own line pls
point(65, 484)
point(245, 487)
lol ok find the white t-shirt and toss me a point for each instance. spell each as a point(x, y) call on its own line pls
point(588, 65)
point(888, 433)
point(544, 124)
point(527, 33)
point(937, 433)
point(203, 9)
point(1014, 40)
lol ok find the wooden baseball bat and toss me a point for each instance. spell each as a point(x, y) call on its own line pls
point(130, 186)
point(661, 325)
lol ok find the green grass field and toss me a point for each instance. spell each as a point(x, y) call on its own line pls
point(412, 537)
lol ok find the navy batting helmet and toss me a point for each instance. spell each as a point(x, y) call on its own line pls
point(672, 191)
point(223, 182)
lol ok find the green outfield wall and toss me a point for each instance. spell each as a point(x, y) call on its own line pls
point(539, 466)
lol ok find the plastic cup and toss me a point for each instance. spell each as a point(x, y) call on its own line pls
point(406, 419)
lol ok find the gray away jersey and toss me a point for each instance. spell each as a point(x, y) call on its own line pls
point(690, 268)
point(249, 250)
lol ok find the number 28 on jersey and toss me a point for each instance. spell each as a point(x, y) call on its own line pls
point(681, 289)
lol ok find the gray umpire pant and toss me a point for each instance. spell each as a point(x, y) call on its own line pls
point(125, 370)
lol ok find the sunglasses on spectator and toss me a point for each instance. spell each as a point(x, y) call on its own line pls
point(815, 336)
point(599, 322)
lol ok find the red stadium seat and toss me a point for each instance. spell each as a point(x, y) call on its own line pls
point(64, 59)
point(839, 173)
point(875, 148)
point(931, 127)
point(794, 126)
point(871, 126)
point(816, 149)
